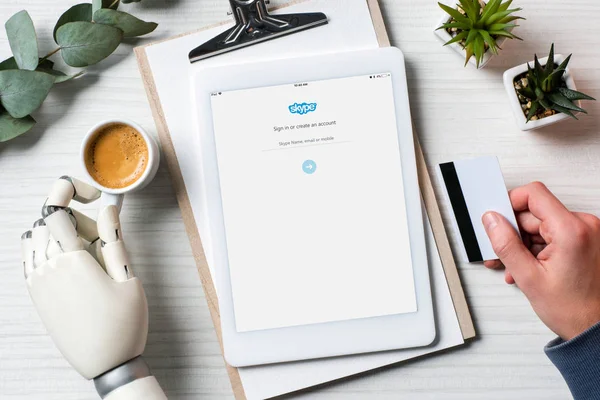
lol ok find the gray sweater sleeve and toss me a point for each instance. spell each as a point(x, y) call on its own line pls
point(578, 360)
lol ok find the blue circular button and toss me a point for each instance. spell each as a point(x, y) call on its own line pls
point(309, 167)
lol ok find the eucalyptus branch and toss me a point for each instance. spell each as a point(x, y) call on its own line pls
point(50, 54)
point(86, 34)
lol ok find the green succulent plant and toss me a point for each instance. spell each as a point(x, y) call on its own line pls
point(479, 26)
point(547, 89)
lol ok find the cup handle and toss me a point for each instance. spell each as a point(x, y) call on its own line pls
point(108, 199)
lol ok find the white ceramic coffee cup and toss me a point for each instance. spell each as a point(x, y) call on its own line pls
point(112, 196)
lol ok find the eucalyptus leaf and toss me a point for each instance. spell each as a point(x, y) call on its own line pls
point(96, 5)
point(22, 92)
point(130, 25)
point(11, 127)
point(44, 65)
point(9, 63)
point(79, 12)
point(87, 43)
point(47, 66)
point(22, 40)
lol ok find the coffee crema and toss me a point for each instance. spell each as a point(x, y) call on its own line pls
point(117, 156)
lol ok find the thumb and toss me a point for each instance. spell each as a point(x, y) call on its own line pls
point(509, 247)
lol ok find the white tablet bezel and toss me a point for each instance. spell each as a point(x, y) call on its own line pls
point(326, 339)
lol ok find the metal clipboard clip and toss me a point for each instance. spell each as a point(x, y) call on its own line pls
point(254, 25)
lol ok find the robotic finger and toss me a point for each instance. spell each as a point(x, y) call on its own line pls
point(95, 249)
point(65, 225)
point(41, 241)
point(66, 189)
point(53, 249)
point(115, 255)
point(27, 253)
point(62, 228)
point(86, 227)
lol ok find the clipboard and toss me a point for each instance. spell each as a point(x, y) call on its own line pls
point(429, 198)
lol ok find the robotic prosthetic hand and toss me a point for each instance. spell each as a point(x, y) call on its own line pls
point(81, 283)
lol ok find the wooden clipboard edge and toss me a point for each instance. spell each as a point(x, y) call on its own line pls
point(433, 210)
point(456, 291)
point(379, 23)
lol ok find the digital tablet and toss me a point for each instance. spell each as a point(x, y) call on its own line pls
point(317, 228)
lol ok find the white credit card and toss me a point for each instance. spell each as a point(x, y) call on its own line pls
point(474, 187)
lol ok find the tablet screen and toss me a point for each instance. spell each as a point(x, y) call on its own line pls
point(313, 202)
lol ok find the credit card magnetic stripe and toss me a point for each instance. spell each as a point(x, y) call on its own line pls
point(461, 212)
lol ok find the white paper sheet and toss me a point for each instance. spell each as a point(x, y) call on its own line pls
point(350, 28)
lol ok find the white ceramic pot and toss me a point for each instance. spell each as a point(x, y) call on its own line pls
point(509, 77)
point(444, 36)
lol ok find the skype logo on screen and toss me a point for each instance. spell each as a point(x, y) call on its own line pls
point(302, 108)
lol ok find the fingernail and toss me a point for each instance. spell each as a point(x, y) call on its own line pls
point(490, 221)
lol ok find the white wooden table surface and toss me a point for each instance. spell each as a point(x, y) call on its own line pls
point(458, 112)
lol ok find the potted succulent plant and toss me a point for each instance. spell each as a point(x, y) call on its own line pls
point(477, 29)
point(545, 94)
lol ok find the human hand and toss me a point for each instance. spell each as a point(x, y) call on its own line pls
point(556, 265)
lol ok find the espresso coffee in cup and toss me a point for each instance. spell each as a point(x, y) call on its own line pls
point(117, 156)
